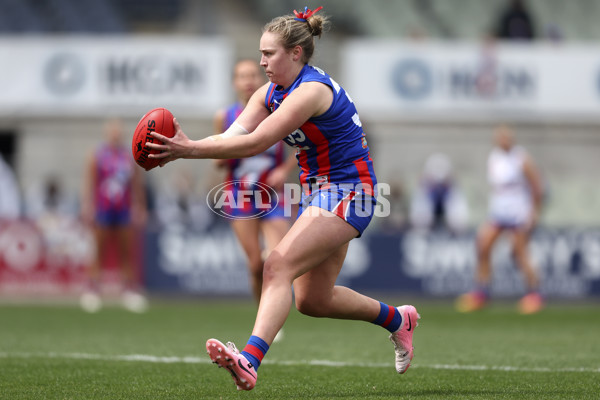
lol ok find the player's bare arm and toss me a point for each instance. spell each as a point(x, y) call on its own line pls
point(533, 177)
point(218, 122)
point(254, 112)
point(87, 196)
point(535, 183)
point(310, 99)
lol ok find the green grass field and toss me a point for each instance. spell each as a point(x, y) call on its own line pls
point(58, 352)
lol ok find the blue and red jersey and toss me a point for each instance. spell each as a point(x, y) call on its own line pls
point(114, 174)
point(331, 147)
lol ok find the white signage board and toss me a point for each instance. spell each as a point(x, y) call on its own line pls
point(112, 74)
point(465, 80)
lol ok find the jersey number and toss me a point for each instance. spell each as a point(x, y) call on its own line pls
point(296, 139)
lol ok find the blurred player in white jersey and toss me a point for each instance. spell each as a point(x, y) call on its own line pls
point(514, 207)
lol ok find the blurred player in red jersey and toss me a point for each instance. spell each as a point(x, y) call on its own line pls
point(514, 208)
point(310, 111)
point(271, 167)
point(114, 203)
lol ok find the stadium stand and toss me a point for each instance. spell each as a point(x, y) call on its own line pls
point(19, 17)
point(438, 19)
point(89, 16)
point(449, 19)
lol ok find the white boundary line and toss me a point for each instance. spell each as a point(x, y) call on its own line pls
point(326, 363)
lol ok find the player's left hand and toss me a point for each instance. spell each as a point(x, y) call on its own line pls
point(172, 148)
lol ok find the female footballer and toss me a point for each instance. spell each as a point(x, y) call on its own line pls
point(306, 108)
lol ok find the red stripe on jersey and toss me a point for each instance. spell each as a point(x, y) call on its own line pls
point(255, 351)
point(365, 176)
point(316, 136)
point(270, 96)
point(304, 168)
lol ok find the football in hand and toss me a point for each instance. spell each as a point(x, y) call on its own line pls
point(158, 120)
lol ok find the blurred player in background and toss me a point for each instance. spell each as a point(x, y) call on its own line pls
point(50, 198)
point(438, 202)
point(308, 110)
point(514, 208)
point(10, 195)
point(114, 203)
point(270, 167)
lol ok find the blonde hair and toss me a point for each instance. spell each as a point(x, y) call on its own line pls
point(298, 33)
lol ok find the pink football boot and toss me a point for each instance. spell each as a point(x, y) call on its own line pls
point(531, 303)
point(241, 370)
point(402, 338)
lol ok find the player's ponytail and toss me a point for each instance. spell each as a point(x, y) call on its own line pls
point(299, 30)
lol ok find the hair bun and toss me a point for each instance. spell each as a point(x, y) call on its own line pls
point(315, 25)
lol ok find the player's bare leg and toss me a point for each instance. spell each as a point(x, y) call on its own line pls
point(131, 297)
point(532, 302)
point(247, 232)
point(520, 241)
point(101, 235)
point(309, 241)
point(487, 237)
point(124, 242)
point(318, 296)
point(315, 237)
point(273, 231)
point(313, 251)
point(90, 300)
point(476, 299)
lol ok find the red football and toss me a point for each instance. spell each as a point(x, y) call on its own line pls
point(158, 120)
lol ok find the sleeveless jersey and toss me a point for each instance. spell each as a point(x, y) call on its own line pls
point(331, 147)
point(114, 172)
point(510, 199)
point(255, 168)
